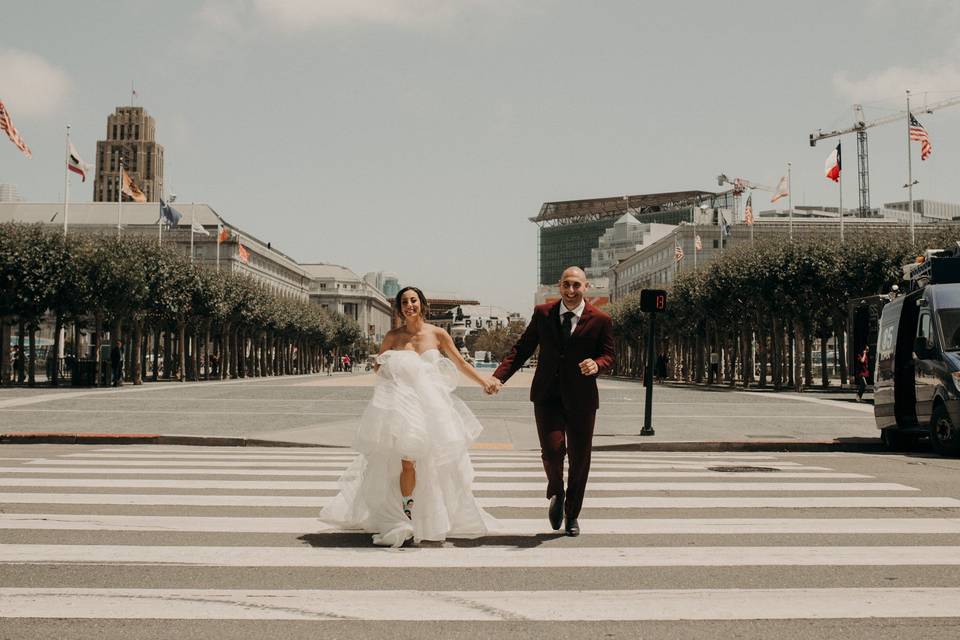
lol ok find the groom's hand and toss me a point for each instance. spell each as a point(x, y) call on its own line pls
point(589, 368)
point(492, 385)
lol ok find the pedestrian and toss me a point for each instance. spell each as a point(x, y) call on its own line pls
point(329, 363)
point(714, 367)
point(576, 345)
point(116, 362)
point(863, 372)
point(19, 364)
point(661, 368)
point(413, 477)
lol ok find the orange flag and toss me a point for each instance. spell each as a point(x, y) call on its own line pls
point(244, 253)
point(131, 189)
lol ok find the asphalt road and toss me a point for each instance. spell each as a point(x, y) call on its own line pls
point(189, 542)
point(324, 410)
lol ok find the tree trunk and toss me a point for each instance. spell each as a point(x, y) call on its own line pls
point(32, 360)
point(795, 354)
point(167, 355)
point(97, 343)
point(55, 356)
point(841, 348)
point(824, 372)
point(234, 373)
point(206, 351)
point(762, 352)
point(138, 352)
point(807, 358)
point(156, 353)
point(5, 351)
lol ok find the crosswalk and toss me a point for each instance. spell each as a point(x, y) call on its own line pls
point(666, 537)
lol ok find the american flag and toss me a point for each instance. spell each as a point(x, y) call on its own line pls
point(748, 210)
point(6, 124)
point(697, 243)
point(677, 251)
point(917, 132)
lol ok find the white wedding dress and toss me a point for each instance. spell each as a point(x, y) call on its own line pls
point(414, 416)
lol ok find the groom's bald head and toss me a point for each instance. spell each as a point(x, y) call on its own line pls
point(573, 284)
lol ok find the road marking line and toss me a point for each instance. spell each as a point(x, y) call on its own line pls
point(532, 485)
point(508, 526)
point(419, 606)
point(336, 473)
point(99, 462)
point(482, 557)
point(593, 502)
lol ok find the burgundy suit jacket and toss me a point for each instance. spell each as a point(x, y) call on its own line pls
point(558, 366)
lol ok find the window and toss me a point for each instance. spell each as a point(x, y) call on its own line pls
point(716, 244)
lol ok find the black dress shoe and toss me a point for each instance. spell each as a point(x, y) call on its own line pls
point(573, 527)
point(555, 512)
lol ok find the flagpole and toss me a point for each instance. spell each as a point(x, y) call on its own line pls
point(66, 184)
point(694, 246)
point(840, 185)
point(790, 198)
point(913, 236)
point(219, 231)
point(119, 193)
point(193, 221)
point(160, 227)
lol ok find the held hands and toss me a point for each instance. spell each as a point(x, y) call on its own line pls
point(589, 368)
point(492, 386)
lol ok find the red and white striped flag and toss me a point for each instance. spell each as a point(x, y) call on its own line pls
point(917, 132)
point(748, 210)
point(697, 243)
point(223, 234)
point(6, 124)
point(677, 251)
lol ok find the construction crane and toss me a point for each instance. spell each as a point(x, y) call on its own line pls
point(860, 126)
point(739, 186)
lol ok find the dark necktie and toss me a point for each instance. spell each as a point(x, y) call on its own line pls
point(566, 326)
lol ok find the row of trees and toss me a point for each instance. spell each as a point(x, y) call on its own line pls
point(171, 314)
point(766, 309)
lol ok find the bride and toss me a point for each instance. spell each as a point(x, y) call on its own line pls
point(413, 476)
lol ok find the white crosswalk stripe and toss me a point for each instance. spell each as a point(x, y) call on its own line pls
point(793, 515)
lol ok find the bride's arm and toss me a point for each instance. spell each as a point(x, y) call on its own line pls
point(450, 350)
point(385, 346)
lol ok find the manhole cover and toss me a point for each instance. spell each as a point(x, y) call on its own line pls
point(742, 469)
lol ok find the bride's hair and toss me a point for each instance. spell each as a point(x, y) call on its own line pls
point(424, 305)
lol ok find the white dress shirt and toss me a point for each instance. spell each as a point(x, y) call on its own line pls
point(577, 312)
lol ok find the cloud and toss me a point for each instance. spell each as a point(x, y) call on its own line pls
point(31, 87)
point(890, 83)
point(303, 15)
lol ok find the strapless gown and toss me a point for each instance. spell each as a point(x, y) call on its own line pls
point(414, 416)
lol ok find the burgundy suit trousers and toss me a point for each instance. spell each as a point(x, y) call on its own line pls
point(565, 433)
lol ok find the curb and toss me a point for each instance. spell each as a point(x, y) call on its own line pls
point(149, 438)
point(845, 445)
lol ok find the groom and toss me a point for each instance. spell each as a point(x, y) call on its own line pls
point(576, 344)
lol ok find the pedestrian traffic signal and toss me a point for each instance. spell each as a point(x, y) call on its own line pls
point(653, 300)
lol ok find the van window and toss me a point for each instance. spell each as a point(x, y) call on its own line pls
point(923, 326)
point(950, 328)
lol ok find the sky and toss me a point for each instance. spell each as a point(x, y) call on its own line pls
point(419, 136)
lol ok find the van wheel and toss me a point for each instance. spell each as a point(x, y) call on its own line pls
point(896, 440)
point(944, 435)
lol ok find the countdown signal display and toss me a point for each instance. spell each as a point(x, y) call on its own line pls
point(653, 300)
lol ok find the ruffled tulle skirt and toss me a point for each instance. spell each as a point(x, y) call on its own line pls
point(413, 416)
